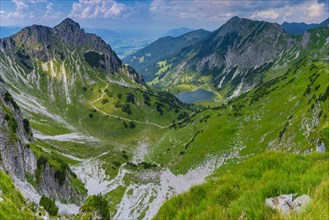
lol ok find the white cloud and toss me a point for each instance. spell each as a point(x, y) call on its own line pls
point(97, 8)
point(21, 9)
point(216, 12)
point(51, 13)
point(317, 10)
point(308, 12)
point(270, 14)
point(2, 12)
point(193, 9)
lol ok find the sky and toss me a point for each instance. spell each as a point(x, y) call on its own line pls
point(158, 15)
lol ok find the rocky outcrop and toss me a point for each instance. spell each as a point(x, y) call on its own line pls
point(287, 204)
point(134, 75)
point(18, 159)
point(71, 33)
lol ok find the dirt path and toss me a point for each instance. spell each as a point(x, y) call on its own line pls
point(127, 119)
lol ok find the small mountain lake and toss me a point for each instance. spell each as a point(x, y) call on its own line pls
point(195, 96)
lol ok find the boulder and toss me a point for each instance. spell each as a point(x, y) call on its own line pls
point(286, 204)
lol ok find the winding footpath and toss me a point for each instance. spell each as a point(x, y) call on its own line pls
point(127, 119)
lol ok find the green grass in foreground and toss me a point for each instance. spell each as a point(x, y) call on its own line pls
point(240, 190)
point(13, 205)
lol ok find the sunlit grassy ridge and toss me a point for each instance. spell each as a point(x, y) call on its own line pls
point(240, 190)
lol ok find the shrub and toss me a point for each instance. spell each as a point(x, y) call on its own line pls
point(126, 108)
point(130, 98)
point(26, 125)
point(146, 99)
point(132, 124)
point(97, 203)
point(14, 125)
point(60, 174)
point(159, 108)
point(49, 205)
point(9, 98)
point(104, 101)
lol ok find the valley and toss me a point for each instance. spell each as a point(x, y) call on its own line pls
point(104, 140)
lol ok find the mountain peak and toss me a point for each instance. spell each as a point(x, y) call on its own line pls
point(68, 23)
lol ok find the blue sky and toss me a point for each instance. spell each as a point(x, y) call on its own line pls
point(158, 15)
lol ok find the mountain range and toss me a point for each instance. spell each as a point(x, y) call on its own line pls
point(300, 28)
point(85, 135)
point(231, 59)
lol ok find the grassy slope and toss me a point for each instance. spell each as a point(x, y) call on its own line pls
point(240, 190)
point(85, 85)
point(276, 115)
point(13, 203)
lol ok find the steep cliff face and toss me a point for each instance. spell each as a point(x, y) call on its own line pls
point(18, 159)
point(239, 42)
point(71, 33)
point(15, 134)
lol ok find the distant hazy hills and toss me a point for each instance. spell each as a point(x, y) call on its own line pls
point(151, 61)
point(177, 32)
point(299, 28)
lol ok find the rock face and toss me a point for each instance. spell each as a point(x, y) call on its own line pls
point(240, 42)
point(286, 204)
point(18, 159)
point(45, 43)
point(231, 53)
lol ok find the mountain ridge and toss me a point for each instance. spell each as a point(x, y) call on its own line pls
point(225, 58)
point(300, 28)
point(44, 43)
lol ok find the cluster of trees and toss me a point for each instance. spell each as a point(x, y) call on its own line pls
point(49, 205)
point(159, 107)
point(127, 109)
point(97, 203)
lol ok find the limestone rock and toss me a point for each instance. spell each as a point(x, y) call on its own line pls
point(286, 204)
